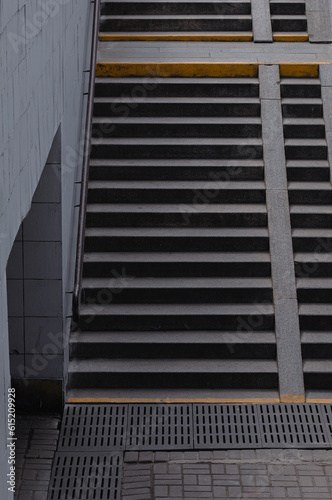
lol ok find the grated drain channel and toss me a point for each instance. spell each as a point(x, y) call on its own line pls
point(86, 476)
point(93, 427)
point(293, 426)
point(226, 426)
point(158, 427)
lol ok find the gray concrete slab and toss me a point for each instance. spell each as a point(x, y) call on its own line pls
point(266, 53)
point(325, 74)
point(319, 20)
point(283, 276)
point(261, 20)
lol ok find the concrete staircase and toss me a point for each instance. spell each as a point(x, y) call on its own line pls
point(310, 197)
point(171, 16)
point(177, 290)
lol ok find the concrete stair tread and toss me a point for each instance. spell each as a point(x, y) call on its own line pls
point(173, 337)
point(171, 365)
point(180, 309)
point(156, 232)
point(186, 100)
point(315, 310)
point(180, 257)
point(181, 283)
point(310, 257)
point(204, 163)
point(160, 185)
point(128, 141)
point(312, 233)
point(304, 121)
point(305, 142)
point(178, 80)
point(187, 120)
point(317, 365)
point(175, 208)
point(314, 283)
point(130, 395)
point(311, 209)
point(316, 337)
point(301, 101)
point(312, 186)
point(236, 17)
point(307, 163)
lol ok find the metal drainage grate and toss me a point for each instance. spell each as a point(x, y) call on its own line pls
point(159, 426)
point(327, 412)
point(93, 427)
point(86, 476)
point(292, 426)
point(226, 426)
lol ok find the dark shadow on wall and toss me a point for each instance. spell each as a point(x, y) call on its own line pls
point(34, 284)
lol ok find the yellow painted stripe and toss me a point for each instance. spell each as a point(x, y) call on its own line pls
point(197, 37)
point(292, 398)
point(202, 69)
point(281, 37)
point(319, 400)
point(175, 400)
point(173, 69)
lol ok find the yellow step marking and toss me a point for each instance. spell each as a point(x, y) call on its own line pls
point(177, 37)
point(281, 37)
point(172, 69)
point(203, 69)
point(292, 398)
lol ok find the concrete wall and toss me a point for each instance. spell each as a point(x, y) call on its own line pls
point(43, 64)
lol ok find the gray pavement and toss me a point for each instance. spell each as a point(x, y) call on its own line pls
point(239, 474)
point(214, 52)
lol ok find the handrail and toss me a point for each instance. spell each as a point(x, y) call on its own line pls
point(85, 168)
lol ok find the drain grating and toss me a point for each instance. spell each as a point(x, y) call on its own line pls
point(93, 427)
point(226, 426)
point(292, 426)
point(159, 426)
point(86, 476)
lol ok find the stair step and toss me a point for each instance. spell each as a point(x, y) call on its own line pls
point(311, 216)
point(317, 374)
point(218, 170)
point(206, 344)
point(175, 192)
point(314, 290)
point(175, 106)
point(175, 290)
point(315, 265)
point(190, 264)
point(189, 395)
point(294, 23)
point(177, 87)
point(182, 373)
point(162, 23)
point(299, 108)
point(287, 7)
point(306, 149)
point(175, 239)
point(307, 171)
point(312, 240)
point(177, 317)
point(317, 345)
point(296, 128)
point(315, 316)
point(172, 7)
point(192, 215)
point(178, 148)
point(213, 127)
point(319, 193)
point(296, 88)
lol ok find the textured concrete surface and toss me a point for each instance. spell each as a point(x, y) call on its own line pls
point(37, 438)
point(214, 51)
point(241, 474)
